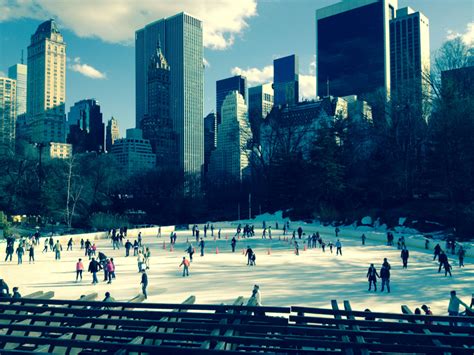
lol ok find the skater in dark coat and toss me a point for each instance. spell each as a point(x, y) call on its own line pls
point(190, 251)
point(385, 275)
point(437, 251)
point(372, 277)
point(201, 245)
point(442, 259)
point(405, 254)
point(447, 268)
point(233, 243)
point(249, 255)
point(300, 232)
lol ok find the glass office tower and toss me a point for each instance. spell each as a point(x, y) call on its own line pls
point(285, 80)
point(352, 47)
point(182, 45)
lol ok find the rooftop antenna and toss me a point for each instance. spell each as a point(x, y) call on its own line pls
point(22, 56)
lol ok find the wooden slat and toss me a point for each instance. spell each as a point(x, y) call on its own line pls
point(345, 338)
point(359, 339)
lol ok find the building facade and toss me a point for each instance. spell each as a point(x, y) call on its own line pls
point(157, 125)
point(286, 80)
point(210, 138)
point(182, 46)
point(112, 133)
point(409, 52)
point(60, 150)
point(230, 160)
point(86, 130)
point(19, 73)
point(133, 153)
point(352, 47)
point(46, 88)
point(224, 87)
point(260, 104)
point(7, 114)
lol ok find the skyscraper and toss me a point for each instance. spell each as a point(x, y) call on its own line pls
point(352, 47)
point(19, 73)
point(86, 130)
point(230, 160)
point(7, 113)
point(409, 51)
point(260, 105)
point(112, 133)
point(224, 87)
point(210, 138)
point(46, 89)
point(182, 46)
point(286, 80)
point(157, 125)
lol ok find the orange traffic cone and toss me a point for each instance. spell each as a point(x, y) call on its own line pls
point(217, 250)
point(164, 245)
point(269, 251)
point(305, 247)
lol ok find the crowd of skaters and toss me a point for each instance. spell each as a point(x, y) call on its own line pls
point(142, 253)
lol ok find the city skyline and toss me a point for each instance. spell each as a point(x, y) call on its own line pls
point(116, 91)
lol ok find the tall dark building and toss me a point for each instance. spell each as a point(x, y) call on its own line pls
point(352, 47)
point(286, 80)
point(224, 87)
point(210, 138)
point(157, 125)
point(182, 46)
point(86, 130)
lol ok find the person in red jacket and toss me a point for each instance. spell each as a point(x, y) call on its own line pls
point(185, 263)
point(79, 269)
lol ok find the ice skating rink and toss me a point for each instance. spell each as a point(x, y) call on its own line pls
point(312, 279)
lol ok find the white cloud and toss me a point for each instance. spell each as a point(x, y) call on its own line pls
point(467, 36)
point(117, 20)
point(86, 69)
point(206, 63)
point(307, 87)
point(255, 76)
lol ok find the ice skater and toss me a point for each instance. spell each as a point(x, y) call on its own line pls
point(79, 269)
point(233, 243)
point(372, 277)
point(144, 283)
point(185, 264)
point(338, 247)
point(249, 255)
point(442, 258)
point(385, 275)
point(363, 238)
point(405, 254)
point(201, 245)
point(190, 251)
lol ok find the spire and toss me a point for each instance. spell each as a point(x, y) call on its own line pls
point(158, 60)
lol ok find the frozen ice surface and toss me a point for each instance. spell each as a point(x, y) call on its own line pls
point(313, 278)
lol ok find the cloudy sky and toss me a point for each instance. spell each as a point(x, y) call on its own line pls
point(240, 37)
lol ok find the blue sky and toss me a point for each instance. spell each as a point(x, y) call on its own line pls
point(240, 37)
